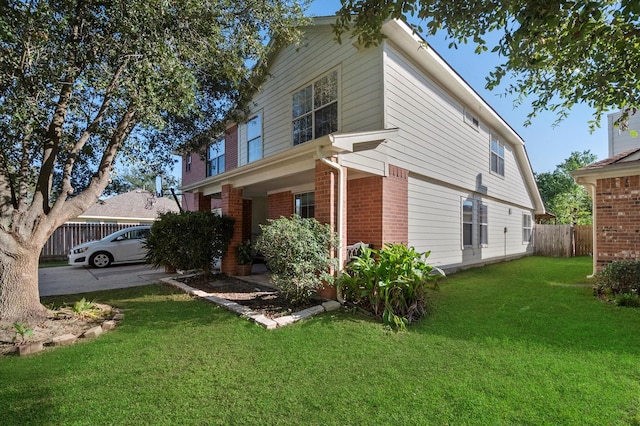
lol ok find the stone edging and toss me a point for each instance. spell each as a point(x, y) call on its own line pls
point(246, 312)
point(68, 339)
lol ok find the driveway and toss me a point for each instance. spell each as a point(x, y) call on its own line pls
point(64, 280)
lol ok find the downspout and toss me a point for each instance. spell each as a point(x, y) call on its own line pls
point(338, 168)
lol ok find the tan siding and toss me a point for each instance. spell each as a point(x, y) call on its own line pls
point(434, 138)
point(360, 103)
point(435, 225)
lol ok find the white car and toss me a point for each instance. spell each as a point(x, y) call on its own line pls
point(124, 246)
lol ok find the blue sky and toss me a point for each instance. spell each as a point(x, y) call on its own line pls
point(546, 145)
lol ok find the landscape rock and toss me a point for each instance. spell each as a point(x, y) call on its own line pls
point(92, 332)
point(63, 340)
point(108, 325)
point(30, 348)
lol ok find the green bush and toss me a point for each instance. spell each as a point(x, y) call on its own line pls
point(618, 278)
point(189, 240)
point(297, 251)
point(391, 283)
point(631, 300)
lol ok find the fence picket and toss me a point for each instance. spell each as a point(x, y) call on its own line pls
point(72, 234)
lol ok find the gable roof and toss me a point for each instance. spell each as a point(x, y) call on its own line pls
point(136, 204)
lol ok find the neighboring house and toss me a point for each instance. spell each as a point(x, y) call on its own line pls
point(386, 144)
point(614, 186)
point(133, 207)
point(623, 140)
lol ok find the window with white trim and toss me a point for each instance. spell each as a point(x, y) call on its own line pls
point(254, 138)
point(315, 109)
point(188, 163)
point(304, 205)
point(483, 224)
point(467, 223)
point(527, 228)
point(497, 156)
point(215, 158)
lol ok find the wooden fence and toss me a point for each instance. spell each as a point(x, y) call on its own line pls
point(563, 240)
point(72, 234)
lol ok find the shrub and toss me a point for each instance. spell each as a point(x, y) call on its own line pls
point(189, 240)
point(298, 254)
point(630, 300)
point(617, 278)
point(391, 283)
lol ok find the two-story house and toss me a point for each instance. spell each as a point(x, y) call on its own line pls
point(385, 143)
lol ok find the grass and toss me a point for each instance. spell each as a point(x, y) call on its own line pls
point(522, 342)
point(52, 263)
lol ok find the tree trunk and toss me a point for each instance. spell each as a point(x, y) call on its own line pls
point(19, 294)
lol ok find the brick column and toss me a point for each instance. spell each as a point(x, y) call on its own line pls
point(201, 202)
point(232, 206)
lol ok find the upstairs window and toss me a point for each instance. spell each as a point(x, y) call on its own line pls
point(315, 109)
point(254, 139)
point(497, 157)
point(305, 205)
point(188, 163)
point(215, 158)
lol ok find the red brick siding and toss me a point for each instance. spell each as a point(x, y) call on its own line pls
point(231, 149)
point(364, 210)
point(279, 204)
point(198, 169)
point(395, 206)
point(617, 219)
point(232, 206)
point(377, 208)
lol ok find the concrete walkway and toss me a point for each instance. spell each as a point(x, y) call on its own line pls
point(64, 280)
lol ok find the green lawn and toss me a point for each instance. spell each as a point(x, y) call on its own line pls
point(516, 343)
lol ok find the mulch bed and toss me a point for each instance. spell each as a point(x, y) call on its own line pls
point(266, 300)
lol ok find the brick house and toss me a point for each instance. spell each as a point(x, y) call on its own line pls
point(614, 186)
point(385, 143)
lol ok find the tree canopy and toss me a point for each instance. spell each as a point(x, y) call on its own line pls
point(558, 53)
point(568, 201)
point(85, 81)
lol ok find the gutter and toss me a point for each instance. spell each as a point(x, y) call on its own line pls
point(339, 218)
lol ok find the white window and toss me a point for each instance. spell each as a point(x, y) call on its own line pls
point(497, 156)
point(215, 158)
point(254, 139)
point(467, 223)
point(526, 228)
point(315, 109)
point(483, 225)
point(305, 204)
point(188, 163)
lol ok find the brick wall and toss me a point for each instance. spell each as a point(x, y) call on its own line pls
point(279, 204)
point(617, 219)
point(395, 206)
point(246, 220)
point(198, 171)
point(377, 208)
point(364, 210)
point(231, 149)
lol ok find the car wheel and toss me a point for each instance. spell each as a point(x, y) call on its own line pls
point(100, 260)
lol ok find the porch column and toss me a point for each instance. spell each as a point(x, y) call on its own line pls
point(232, 207)
point(201, 202)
